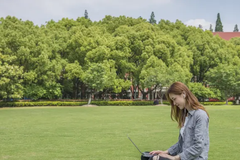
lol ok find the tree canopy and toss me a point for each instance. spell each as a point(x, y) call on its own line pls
point(75, 58)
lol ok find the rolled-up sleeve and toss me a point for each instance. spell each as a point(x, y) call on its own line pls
point(200, 129)
point(175, 149)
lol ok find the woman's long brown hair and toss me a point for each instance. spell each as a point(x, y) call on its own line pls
point(178, 88)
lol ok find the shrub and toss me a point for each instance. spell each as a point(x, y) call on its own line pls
point(216, 103)
point(98, 103)
point(46, 103)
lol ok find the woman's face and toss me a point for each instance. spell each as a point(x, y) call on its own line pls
point(178, 100)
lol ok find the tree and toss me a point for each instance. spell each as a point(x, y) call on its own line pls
point(10, 78)
point(219, 26)
point(200, 91)
point(152, 18)
point(74, 73)
point(226, 78)
point(86, 14)
point(156, 75)
point(236, 28)
point(211, 29)
point(99, 76)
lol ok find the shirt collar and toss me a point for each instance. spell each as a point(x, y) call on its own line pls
point(191, 112)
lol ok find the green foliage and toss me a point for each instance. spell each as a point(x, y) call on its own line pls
point(86, 14)
point(207, 50)
point(61, 103)
point(201, 92)
point(124, 103)
point(152, 18)
point(211, 29)
point(216, 103)
point(219, 26)
point(75, 58)
point(11, 78)
point(235, 28)
point(99, 76)
point(226, 78)
point(42, 103)
point(73, 70)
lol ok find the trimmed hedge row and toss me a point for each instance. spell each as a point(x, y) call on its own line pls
point(98, 103)
point(124, 103)
point(216, 103)
point(29, 104)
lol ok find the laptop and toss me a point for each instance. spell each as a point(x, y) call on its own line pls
point(144, 154)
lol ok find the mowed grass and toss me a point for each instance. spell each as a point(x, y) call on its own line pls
point(97, 133)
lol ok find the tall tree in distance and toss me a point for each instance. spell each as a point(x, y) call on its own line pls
point(86, 14)
point(236, 28)
point(211, 28)
point(152, 18)
point(219, 26)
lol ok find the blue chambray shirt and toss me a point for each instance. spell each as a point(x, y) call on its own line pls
point(194, 144)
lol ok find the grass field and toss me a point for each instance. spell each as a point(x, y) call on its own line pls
point(100, 133)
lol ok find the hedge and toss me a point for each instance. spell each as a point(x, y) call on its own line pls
point(216, 103)
point(124, 103)
point(98, 103)
point(50, 103)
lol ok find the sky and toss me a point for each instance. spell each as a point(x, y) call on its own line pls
point(190, 12)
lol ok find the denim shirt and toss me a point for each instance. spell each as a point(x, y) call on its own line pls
point(194, 144)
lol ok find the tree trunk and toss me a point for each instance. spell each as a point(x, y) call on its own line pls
point(135, 93)
point(227, 102)
point(160, 95)
point(161, 100)
point(83, 91)
point(74, 94)
point(144, 94)
point(90, 99)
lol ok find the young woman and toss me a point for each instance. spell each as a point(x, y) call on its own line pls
point(193, 120)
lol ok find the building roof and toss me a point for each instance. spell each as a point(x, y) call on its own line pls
point(227, 35)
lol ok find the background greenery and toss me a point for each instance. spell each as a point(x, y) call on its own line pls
point(74, 58)
point(89, 133)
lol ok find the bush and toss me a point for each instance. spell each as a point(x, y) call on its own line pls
point(216, 103)
point(46, 103)
point(124, 103)
point(98, 103)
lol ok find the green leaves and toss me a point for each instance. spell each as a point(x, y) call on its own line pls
point(226, 78)
point(73, 70)
point(98, 76)
point(71, 58)
point(201, 91)
point(10, 79)
point(219, 26)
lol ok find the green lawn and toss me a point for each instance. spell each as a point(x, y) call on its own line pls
point(71, 133)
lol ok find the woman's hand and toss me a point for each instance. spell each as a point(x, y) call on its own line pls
point(169, 157)
point(158, 152)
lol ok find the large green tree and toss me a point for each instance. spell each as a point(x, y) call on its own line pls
point(100, 76)
point(226, 78)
